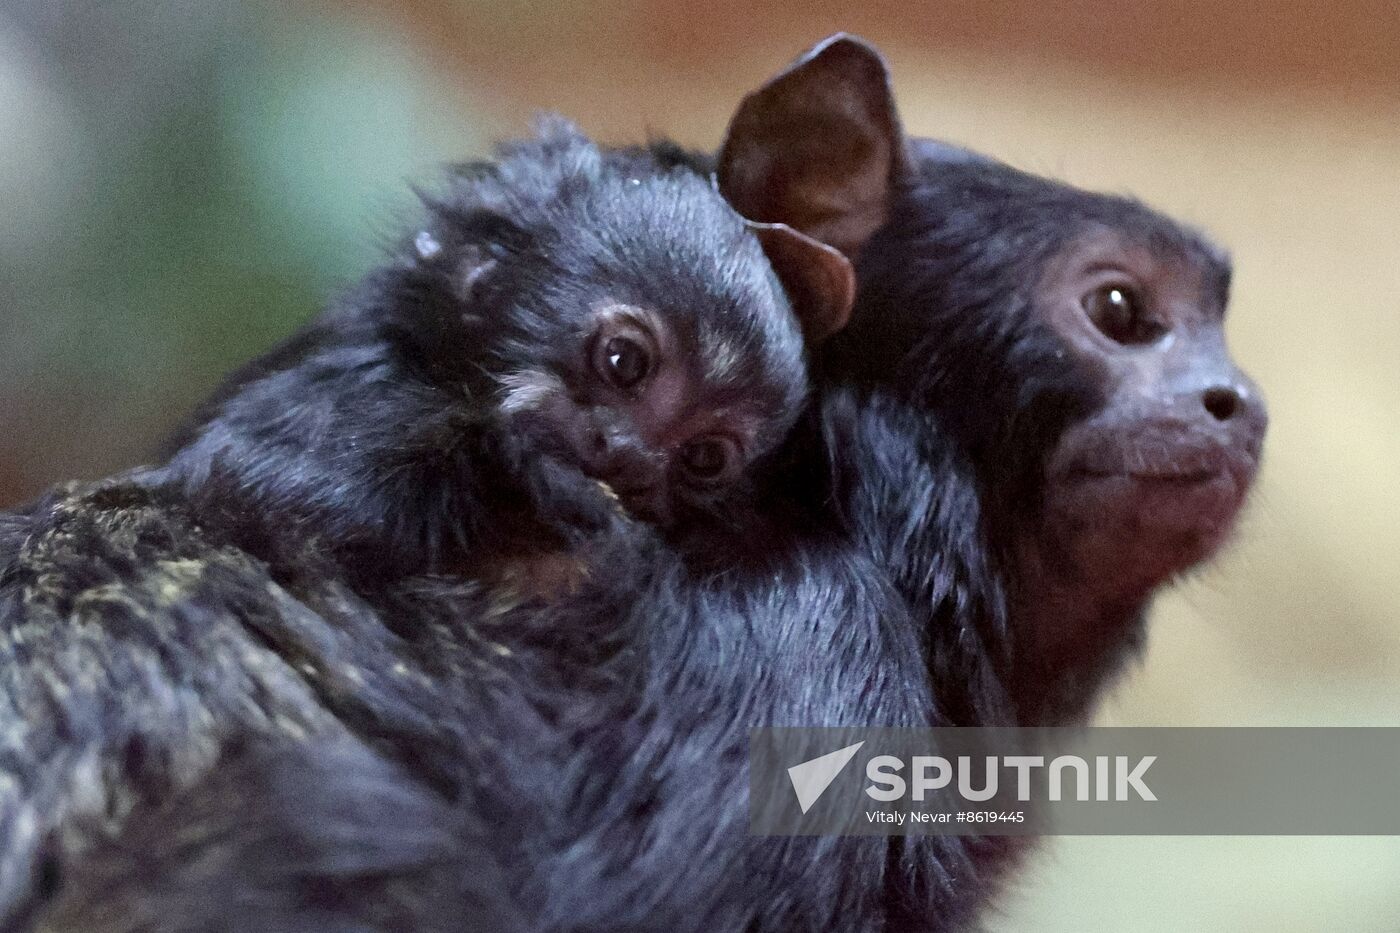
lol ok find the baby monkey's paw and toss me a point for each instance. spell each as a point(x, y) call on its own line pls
point(572, 505)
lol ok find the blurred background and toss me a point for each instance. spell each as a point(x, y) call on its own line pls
point(182, 183)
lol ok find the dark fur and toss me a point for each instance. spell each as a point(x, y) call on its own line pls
point(147, 622)
point(996, 374)
point(603, 740)
point(295, 837)
point(378, 431)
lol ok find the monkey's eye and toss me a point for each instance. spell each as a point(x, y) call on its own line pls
point(622, 361)
point(710, 459)
point(1117, 310)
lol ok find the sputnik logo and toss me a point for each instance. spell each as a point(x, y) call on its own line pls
point(811, 778)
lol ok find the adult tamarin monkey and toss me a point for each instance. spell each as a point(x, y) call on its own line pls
point(1031, 426)
point(1072, 344)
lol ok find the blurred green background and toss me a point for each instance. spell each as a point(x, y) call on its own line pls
point(183, 183)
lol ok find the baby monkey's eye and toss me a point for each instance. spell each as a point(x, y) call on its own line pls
point(623, 361)
point(1117, 310)
point(710, 459)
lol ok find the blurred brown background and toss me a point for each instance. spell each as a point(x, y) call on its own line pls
point(182, 183)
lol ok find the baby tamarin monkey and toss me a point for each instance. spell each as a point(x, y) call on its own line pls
point(575, 335)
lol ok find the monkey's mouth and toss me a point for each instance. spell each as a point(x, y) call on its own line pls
point(1163, 473)
point(1190, 489)
point(644, 502)
point(1170, 476)
point(1225, 477)
point(1150, 460)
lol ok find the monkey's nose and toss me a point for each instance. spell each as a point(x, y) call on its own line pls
point(1237, 406)
point(1222, 402)
point(1238, 403)
point(620, 458)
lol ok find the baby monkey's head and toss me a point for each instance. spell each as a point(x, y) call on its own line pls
point(618, 321)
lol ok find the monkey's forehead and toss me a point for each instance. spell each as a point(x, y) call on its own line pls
point(955, 183)
point(1155, 242)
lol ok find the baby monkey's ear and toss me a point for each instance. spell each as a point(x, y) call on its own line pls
point(465, 264)
point(819, 147)
point(820, 282)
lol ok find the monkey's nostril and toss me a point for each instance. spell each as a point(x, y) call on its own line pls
point(1221, 402)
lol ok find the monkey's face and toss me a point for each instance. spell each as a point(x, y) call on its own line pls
point(631, 333)
point(1150, 482)
point(666, 411)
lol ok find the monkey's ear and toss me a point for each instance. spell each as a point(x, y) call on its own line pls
point(465, 266)
point(820, 282)
point(819, 147)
